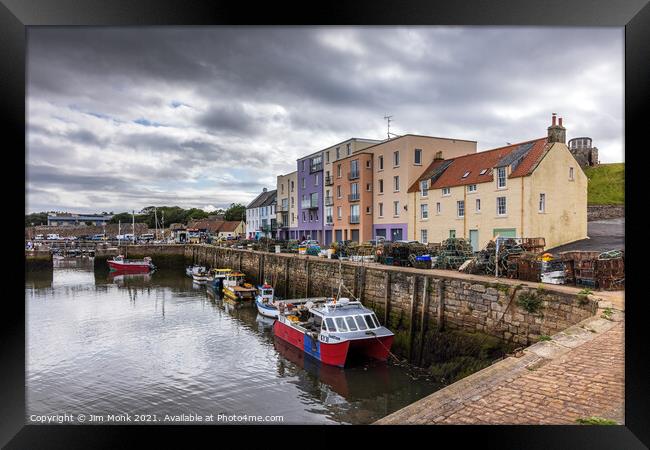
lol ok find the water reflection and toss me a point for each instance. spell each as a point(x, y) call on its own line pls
point(109, 342)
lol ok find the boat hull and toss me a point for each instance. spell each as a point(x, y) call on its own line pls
point(144, 267)
point(266, 310)
point(332, 354)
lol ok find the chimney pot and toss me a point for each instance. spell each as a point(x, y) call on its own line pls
point(560, 121)
point(554, 117)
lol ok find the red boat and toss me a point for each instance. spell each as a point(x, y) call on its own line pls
point(131, 265)
point(331, 332)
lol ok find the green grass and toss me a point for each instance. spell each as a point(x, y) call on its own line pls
point(606, 184)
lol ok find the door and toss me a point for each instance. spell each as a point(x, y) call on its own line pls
point(396, 234)
point(473, 239)
point(339, 235)
point(355, 235)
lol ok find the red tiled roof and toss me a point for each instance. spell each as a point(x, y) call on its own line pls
point(211, 225)
point(474, 163)
point(229, 226)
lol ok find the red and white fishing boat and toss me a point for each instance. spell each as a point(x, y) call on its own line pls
point(131, 265)
point(332, 331)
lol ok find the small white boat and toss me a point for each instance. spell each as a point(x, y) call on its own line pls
point(201, 277)
point(195, 269)
point(268, 305)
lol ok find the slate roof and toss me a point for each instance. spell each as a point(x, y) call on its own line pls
point(524, 156)
point(261, 199)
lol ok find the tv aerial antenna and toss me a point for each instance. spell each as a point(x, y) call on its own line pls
point(389, 119)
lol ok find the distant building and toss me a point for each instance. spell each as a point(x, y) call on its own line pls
point(65, 219)
point(261, 215)
point(287, 208)
point(582, 150)
point(231, 229)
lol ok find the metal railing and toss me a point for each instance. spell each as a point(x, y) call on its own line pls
point(315, 167)
point(329, 220)
point(329, 180)
point(354, 219)
point(354, 197)
point(308, 204)
point(353, 175)
point(329, 201)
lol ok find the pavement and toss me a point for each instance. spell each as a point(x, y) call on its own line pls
point(579, 373)
point(607, 234)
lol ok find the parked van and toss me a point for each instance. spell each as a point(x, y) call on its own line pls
point(39, 237)
point(53, 236)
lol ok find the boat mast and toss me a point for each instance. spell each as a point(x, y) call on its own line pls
point(119, 232)
point(133, 225)
point(155, 219)
point(163, 224)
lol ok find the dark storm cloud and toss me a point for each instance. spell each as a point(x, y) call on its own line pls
point(205, 99)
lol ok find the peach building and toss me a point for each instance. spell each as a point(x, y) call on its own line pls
point(397, 163)
point(352, 197)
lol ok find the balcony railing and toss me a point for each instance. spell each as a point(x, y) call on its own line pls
point(315, 167)
point(282, 208)
point(354, 197)
point(329, 180)
point(308, 204)
point(329, 201)
point(353, 175)
point(354, 219)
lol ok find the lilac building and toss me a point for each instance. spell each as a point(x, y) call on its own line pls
point(310, 197)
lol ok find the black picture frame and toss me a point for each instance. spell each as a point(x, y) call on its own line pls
point(634, 15)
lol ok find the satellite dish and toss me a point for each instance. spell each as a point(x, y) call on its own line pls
point(344, 300)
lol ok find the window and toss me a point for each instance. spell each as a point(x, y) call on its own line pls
point(460, 208)
point(361, 323)
point(381, 186)
point(349, 149)
point(446, 191)
point(338, 191)
point(438, 208)
point(483, 172)
point(292, 186)
point(501, 206)
point(452, 233)
point(424, 236)
point(304, 216)
point(303, 182)
point(381, 163)
point(369, 321)
point(381, 210)
point(352, 325)
point(424, 188)
point(355, 189)
point(293, 202)
point(338, 152)
point(396, 183)
point(478, 205)
point(368, 164)
point(424, 211)
point(396, 208)
point(368, 210)
point(542, 202)
point(571, 173)
point(340, 323)
point(282, 188)
point(368, 187)
point(418, 157)
point(354, 213)
point(316, 179)
point(501, 177)
point(339, 212)
point(338, 170)
point(303, 165)
point(396, 158)
point(466, 174)
point(327, 157)
point(471, 188)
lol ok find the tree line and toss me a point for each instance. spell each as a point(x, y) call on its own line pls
point(171, 214)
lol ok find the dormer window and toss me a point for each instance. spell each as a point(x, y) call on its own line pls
point(424, 188)
point(483, 172)
point(466, 174)
point(501, 177)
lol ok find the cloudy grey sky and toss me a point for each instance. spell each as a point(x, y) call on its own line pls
point(123, 118)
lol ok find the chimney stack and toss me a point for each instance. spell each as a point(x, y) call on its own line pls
point(556, 132)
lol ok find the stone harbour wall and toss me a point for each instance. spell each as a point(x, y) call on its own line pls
point(411, 302)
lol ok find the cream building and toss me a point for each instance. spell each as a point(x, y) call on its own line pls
point(398, 162)
point(286, 208)
point(531, 189)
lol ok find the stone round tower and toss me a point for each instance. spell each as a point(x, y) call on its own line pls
point(584, 152)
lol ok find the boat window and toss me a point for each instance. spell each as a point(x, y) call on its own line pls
point(369, 321)
point(374, 318)
point(330, 324)
point(351, 324)
point(361, 323)
point(340, 323)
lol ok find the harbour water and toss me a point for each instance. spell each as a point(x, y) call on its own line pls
point(158, 344)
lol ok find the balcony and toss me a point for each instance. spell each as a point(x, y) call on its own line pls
point(329, 201)
point(329, 180)
point(315, 167)
point(308, 204)
point(282, 208)
point(353, 175)
point(354, 197)
point(354, 219)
